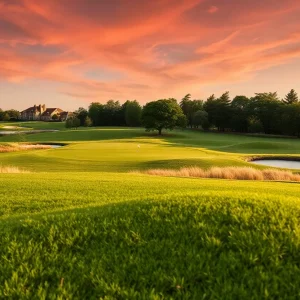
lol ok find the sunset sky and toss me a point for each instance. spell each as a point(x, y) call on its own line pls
point(69, 53)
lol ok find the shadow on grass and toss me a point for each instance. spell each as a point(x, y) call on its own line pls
point(178, 247)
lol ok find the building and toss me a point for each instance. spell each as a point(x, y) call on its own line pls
point(48, 114)
point(33, 113)
point(41, 113)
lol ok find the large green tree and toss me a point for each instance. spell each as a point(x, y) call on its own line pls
point(163, 114)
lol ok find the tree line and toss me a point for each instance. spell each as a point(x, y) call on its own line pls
point(262, 113)
point(9, 115)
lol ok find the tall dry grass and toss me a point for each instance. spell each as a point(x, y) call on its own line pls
point(14, 147)
point(237, 173)
point(12, 170)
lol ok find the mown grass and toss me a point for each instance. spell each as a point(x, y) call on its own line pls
point(34, 125)
point(148, 238)
point(81, 226)
point(116, 150)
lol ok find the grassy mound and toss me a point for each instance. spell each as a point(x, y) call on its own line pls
point(182, 247)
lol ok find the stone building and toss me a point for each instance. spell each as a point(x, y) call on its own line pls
point(33, 113)
point(41, 113)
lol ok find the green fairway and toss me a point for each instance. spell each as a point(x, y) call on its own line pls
point(82, 226)
point(34, 125)
point(125, 149)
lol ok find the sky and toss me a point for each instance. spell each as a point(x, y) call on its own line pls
point(69, 53)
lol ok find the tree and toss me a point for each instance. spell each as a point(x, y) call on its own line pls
point(122, 113)
point(76, 123)
point(219, 111)
point(240, 113)
point(209, 107)
point(163, 114)
point(88, 122)
point(189, 107)
point(290, 121)
point(186, 106)
point(109, 114)
point(73, 122)
point(184, 103)
point(133, 113)
point(200, 118)
point(5, 117)
point(95, 112)
point(266, 108)
point(223, 112)
point(13, 114)
point(81, 113)
point(112, 113)
point(69, 123)
point(291, 98)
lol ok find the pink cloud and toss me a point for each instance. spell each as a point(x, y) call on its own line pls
point(157, 48)
point(213, 9)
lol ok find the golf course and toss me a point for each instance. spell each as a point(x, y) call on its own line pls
point(86, 221)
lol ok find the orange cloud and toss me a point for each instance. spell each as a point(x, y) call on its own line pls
point(144, 49)
point(213, 9)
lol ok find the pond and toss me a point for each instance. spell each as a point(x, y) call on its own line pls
point(5, 148)
point(40, 146)
point(278, 163)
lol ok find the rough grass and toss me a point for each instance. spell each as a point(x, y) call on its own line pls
point(12, 170)
point(14, 147)
point(237, 173)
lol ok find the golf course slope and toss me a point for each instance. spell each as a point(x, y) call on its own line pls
point(81, 223)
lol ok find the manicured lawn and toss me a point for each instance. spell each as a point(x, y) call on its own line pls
point(35, 125)
point(81, 226)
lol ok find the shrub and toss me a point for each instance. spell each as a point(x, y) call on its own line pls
point(72, 123)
